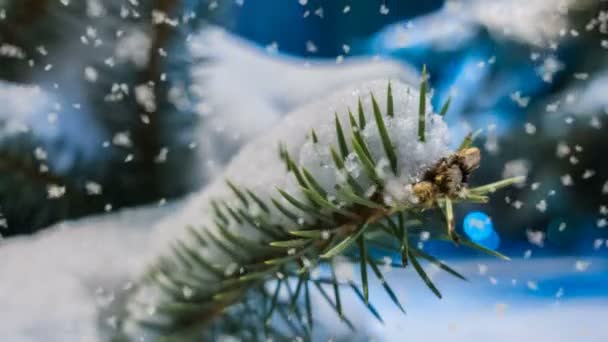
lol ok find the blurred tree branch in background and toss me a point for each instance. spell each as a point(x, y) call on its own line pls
point(146, 135)
point(103, 72)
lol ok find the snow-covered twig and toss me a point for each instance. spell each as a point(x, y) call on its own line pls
point(334, 185)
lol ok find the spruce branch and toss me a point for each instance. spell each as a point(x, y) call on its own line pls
point(275, 243)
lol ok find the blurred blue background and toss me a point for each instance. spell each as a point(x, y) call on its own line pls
point(519, 82)
point(502, 79)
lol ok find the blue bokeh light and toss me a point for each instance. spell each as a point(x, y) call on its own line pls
point(478, 226)
point(492, 242)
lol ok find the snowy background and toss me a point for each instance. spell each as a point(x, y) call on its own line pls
point(114, 113)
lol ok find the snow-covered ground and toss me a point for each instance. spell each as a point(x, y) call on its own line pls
point(53, 286)
point(520, 300)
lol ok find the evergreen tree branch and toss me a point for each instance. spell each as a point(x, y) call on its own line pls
point(277, 241)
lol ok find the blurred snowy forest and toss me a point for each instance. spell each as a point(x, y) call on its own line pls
point(104, 103)
point(85, 83)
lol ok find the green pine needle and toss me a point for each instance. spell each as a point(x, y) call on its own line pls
point(446, 107)
point(368, 164)
point(313, 184)
point(308, 304)
point(361, 113)
point(419, 253)
point(363, 262)
point(369, 306)
point(390, 111)
point(293, 217)
point(387, 288)
point(490, 188)
point(310, 210)
point(344, 244)
point(336, 290)
point(290, 243)
point(484, 250)
point(386, 140)
point(341, 139)
point(467, 142)
point(238, 193)
point(258, 201)
point(348, 195)
point(422, 273)
point(311, 234)
point(314, 137)
point(356, 135)
point(274, 301)
point(405, 245)
point(422, 107)
point(334, 305)
point(296, 295)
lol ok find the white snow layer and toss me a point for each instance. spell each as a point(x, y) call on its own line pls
point(259, 167)
point(52, 285)
point(242, 89)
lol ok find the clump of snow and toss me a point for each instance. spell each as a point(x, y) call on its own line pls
point(259, 167)
point(413, 156)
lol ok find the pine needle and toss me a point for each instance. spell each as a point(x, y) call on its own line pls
point(422, 107)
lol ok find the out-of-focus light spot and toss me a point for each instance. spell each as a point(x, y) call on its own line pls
point(478, 226)
point(492, 242)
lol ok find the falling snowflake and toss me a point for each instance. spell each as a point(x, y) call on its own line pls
point(581, 265)
point(536, 238)
point(93, 188)
point(567, 180)
point(55, 191)
point(542, 206)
